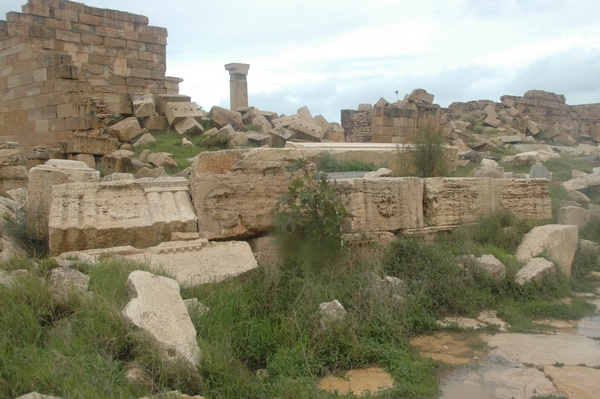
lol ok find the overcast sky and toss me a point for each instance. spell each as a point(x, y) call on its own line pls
point(335, 54)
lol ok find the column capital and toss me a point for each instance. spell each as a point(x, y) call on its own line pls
point(236, 68)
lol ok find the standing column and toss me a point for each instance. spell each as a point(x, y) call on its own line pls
point(238, 86)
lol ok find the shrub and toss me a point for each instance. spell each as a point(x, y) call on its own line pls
point(327, 163)
point(429, 157)
point(308, 218)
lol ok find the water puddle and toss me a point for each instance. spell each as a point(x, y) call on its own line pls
point(358, 381)
point(451, 348)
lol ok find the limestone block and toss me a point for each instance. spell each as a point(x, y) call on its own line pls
point(163, 159)
point(41, 180)
point(190, 127)
point(266, 250)
point(239, 140)
point(334, 132)
point(9, 153)
point(235, 191)
point(147, 138)
point(365, 107)
point(222, 117)
point(163, 99)
point(331, 312)
point(155, 123)
point(534, 270)
point(258, 139)
point(490, 121)
point(176, 112)
point(320, 121)
point(583, 182)
point(157, 307)
point(526, 158)
point(556, 240)
point(126, 130)
point(224, 134)
point(576, 215)
point(417, 96)
point(305, 114)
point(285, 121)
point(12, 177)
point(587, 149)
point(81, 143)
point(487, 171)
point(88, 159)
point(532, 127)
point(454, 201)
point(143, 106)
point(579, 197)
point(381, 204)
point(489, 163)
point(142, 213)
point(66, 283)
point(491, 266)
point(306, 130)
point(279, 136)
point(381, 172)
point(539, 171)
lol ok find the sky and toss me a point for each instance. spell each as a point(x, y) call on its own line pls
point(335, 54)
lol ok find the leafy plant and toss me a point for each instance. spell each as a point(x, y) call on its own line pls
point(429, 156)
point(308, 217)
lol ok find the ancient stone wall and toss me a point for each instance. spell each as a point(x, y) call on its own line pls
point(402, 124)
point(357, 125)
point(61, 62)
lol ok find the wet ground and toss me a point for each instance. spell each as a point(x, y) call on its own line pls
point(564, 363)
point(358, 381)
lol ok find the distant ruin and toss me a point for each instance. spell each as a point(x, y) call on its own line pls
point(400, 122)
point(66, 67)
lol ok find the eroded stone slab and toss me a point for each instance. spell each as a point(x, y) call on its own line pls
point(158, 309)
point(556, 240)
point(191, 262)
point(141, 213)
point(575, 381)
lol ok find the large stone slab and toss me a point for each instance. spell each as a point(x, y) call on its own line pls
point(222, 117)
point(81, 143)
point(143, 106)
point(157, 308)
point(141, 213)
point(235, 191)
point(126, 130)
point(576, 382)
point(454, 201)
point(12, 177)
point(381, 204)
point(191, 262)
point(555, 240)
point(178, 111)
point(39, 198)
point(9, 153)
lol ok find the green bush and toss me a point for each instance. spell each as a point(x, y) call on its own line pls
point(308, 217)
point(327, 163)
point(429, 157)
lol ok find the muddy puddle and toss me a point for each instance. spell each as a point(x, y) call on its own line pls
point(564, 362)
point(358, 381)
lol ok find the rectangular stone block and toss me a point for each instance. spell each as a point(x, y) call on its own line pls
point(189, 127)
point(178, 111)
point(155, 123)
point(163, 99)
point(454, 201)
point(87, 144)
point(141, 213)
point(382, 204)
point(143, 106)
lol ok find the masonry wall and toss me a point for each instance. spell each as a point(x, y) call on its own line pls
point(62, 63)
point(402, 125)
point(357, 125)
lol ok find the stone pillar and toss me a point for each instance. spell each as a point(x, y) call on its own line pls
point(238, 86)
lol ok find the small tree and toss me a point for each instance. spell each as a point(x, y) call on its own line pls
point(429, 157)
point(308, 217)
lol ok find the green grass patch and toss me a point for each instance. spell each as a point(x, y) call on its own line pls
point(327, 163)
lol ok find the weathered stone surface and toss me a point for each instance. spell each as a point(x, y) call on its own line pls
point(240, 139)
point(145, 139)
point(576, 382)
point(331, 312)
point(143, 106)
point(305, 130)
point(35, 395)
point(539, 171)
point(573, 215)
point(141, 213)
point(155, 123)
point(9, 153)
point(126, 130)
point(279, 136)
point(235, 191)
point(534, 270)
point(162, 159)
point(585, 181)
point(381, 204)
point(518, 382)
point(222, 117)
point(381, 172)
point(487, 171)
point(81, 143)
point(157, 308)
point(579, 197)
point(154, 173)
point(491, 266)
point(304, 114)
point(12, 177)
point(454, 201)
point(258, 139)
point(225, 134)
point(88, 159)
point(419, 96)
point(66, 283)
point(41, 180)
point(557, 241)
point(526, 158)
point(191, 262)
point(190, 127)
point(178, 111)
point(334, 132)
point(266, 251)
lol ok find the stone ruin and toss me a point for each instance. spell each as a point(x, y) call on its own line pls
point(538, 115)
point(67, 67)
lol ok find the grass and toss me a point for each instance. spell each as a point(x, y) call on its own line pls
point(170, 142)
point(325, 162)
